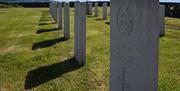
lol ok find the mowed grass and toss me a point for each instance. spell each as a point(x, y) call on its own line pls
point(34, 56)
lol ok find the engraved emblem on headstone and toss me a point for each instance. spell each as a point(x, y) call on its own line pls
point(124, 22)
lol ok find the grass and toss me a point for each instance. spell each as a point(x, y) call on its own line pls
point(34, 56)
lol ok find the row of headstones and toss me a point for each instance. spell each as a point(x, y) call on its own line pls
point(55, 8)
point(90, 6)
point(134, 41)
point(81, 9)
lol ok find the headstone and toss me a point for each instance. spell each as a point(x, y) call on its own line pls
point(89, 8)
point(80, 32)
point(50, 7)
point(59, 15)
point(96, 9)
point(134, 43)
point(55, 11)
point(105, 11)
point(162, 20)
point(66, 21)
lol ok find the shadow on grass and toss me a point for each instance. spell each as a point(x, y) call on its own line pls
point(90, 16)
point(46, 30)
point(46, 23)
point(50, 19)
point(99, 19)
point(47, 43)
point(108, 23)
point(44, 74)
point(173, 27)
point(45, 15)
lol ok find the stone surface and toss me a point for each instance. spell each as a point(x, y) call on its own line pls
point(96, 9)
point(50, 7)
point(66, 21)
point(162, 20)
point(89, 8)
point(134, 43)
point(80, 32)
point(105, 11)
point(55, 11)
point(59, 15)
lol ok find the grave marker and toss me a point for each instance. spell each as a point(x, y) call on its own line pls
point(55, 11)
point(134, 43)
point(105, 11)
point(96, 9)
point(80, 32)
point(162, 20)
point(59, 15)
point(50, 7)
point(89, 8)
point(66, 20)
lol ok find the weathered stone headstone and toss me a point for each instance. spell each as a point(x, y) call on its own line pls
point(96, 9)
point(162, 20)
point(105, 11)
point(66, 21)
point(80, 32)
point(134, 42)
point(59, 15)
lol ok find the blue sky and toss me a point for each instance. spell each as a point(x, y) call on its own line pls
point(170, 1)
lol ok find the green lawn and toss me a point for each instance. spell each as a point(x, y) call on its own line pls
point(34, 55)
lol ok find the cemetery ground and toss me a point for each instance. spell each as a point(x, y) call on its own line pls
point(35, 56)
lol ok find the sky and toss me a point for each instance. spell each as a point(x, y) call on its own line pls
point(170, 1)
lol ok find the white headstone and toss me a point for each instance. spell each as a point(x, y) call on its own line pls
point(66, 21)
point(134, 43)
point(96, 9)
point(162, 20)
point(80, 32)
point(59, 15)
point(55, 11)
point(105, 11)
